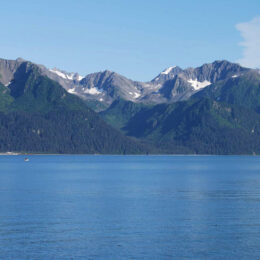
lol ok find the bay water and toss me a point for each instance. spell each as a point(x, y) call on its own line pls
point(129, 207)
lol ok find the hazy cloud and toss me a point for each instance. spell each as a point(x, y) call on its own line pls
point(250, 31)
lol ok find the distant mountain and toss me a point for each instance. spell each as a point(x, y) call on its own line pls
point(37, 115)
point(172, 85)
point(101, 89)
point(177, 84)
point(107, 86)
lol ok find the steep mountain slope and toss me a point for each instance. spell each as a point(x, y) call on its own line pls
point(121, 111)
point(202, 126)
point(38, 115)
point(8, 69)
point(243, 90)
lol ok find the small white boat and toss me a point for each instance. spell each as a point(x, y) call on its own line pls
point(26, 159)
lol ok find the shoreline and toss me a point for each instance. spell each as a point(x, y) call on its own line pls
point(80, 154)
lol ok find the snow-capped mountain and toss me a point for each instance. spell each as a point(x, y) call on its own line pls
point(66, 75)
point(175, 84)
point(167, 74)
point(107, 86)
point(171, 85)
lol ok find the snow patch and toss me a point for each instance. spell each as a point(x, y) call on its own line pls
point(199, 85)
point(59, 73)
point(152, 86)
point(234, 76)
point(92, 91)
point(6, 85)
point(69, 76)
point(137, 95)
point(72, 90)
point(167, 71)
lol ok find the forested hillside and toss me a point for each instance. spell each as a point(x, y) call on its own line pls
point(37, 115)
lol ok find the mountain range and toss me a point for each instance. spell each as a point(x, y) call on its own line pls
point(171, 85)
point(212, 109)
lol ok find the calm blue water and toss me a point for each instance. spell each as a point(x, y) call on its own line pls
point(129, 207)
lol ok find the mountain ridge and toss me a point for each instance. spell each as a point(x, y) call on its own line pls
point(102, 88)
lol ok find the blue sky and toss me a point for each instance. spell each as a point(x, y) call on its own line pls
point(135, 38)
